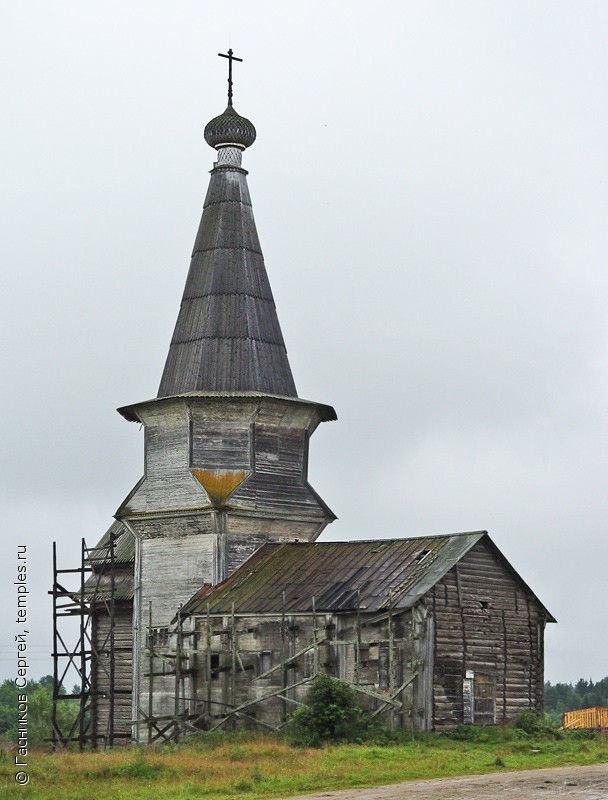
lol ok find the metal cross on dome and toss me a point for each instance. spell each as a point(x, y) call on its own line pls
point(230, 58)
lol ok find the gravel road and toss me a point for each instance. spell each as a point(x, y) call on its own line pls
point(574, 783)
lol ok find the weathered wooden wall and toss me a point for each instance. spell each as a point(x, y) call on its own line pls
point(470, 651)
point(265, 436)
point(183, 541)
point(376, 656)
point(486, 624)
point(123, 673)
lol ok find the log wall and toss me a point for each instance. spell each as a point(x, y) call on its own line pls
point(123, 674)
point(487, 625)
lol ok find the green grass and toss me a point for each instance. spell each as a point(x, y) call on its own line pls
point(256, 766)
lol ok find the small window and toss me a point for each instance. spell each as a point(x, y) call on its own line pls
point(215, 666)
point(160, 637)
point(265, 661)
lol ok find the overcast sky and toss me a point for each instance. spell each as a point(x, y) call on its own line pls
point(430, 189)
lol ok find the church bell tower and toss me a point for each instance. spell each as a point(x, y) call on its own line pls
point(226, 439)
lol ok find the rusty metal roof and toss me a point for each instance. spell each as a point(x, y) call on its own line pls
point(339, 575)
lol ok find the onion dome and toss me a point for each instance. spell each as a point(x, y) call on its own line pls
point(230, 130)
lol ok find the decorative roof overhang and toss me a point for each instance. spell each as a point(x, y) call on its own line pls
point(326, 413)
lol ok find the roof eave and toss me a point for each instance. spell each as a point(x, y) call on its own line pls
point(129, 412)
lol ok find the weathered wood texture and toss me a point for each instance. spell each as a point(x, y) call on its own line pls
point(423, 661)
point(227, 336)
point(183, 540)
point(264, 436)
point(172, 568)
point(267, 663)
point(101, 673)
point(486, 623)
point(469, 651)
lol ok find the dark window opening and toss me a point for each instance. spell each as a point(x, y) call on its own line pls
point(215, 666)
point(160, 637)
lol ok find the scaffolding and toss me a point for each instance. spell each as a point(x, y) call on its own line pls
point(166, 727)
point(76, 654)
point(196, 652)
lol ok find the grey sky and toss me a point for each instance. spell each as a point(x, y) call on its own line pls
point(430, 189)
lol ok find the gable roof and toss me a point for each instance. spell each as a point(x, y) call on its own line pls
point(340, 575)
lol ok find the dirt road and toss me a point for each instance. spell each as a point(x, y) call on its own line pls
point(573, 783)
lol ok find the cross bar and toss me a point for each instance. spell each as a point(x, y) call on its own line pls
point(231, 57)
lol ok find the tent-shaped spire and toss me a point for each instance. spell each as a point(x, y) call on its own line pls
point(227, 337)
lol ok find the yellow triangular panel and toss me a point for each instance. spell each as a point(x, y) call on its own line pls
point(220, 483)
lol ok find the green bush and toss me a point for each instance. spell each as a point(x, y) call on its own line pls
point(535, 724)
point(529, 725)
point(331, 714)
point(581, 734)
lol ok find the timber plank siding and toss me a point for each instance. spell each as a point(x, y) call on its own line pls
point(431, 631)
point(466, 649)
point(273, 654)
point(123, 674)
point(485, 624)
point(184, 538)
point(227, 336)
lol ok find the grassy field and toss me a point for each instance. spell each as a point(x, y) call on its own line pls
point(257, 766)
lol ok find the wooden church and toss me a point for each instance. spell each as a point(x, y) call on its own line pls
point(212, 603)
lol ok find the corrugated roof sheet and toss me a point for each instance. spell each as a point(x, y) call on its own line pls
point(227, 336)
point(99, 584)
point(99, 587)
point(124, 545)
point(339, 575)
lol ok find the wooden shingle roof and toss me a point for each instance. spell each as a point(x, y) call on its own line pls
point(227, 337)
